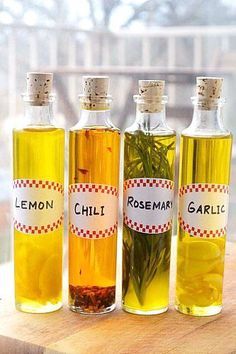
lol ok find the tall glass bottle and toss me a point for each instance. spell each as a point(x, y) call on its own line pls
point(38, 147)
point(93, 202)
point(205, 157)
point(149, 156)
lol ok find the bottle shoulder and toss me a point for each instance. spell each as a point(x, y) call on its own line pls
point(79, 127)
point(95, 131)
point(155, 132)
point(39, 129)
point(205, 133)
point(206, 123)
point(94, 119)
point(206, 138)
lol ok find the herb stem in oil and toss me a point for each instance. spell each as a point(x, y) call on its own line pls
point(145, 255)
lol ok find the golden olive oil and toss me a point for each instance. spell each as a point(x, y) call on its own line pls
point(146, 257)
point(94, 158)
point(200, 264)
point(38, 155)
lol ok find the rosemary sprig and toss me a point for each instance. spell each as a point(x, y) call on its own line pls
point(144, 255)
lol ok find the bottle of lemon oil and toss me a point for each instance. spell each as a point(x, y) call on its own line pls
point(149, 159)
point(93, 202)
point(38, 148)
point(205, 157)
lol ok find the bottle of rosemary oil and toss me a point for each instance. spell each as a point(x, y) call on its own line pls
point(149, 156)
point(205, 158)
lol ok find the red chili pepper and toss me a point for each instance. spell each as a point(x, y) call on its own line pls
point(83, 170)
point(92, 299)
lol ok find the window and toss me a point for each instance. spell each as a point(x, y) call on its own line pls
point(174, 40)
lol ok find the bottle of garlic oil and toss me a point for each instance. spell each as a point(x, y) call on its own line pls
point(149, 156)
point(205, 157)
point(38, 147)
point(93, 202)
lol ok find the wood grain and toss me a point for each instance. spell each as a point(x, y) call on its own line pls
point(119, 332)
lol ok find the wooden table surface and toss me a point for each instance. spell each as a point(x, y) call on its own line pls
point(119, 332)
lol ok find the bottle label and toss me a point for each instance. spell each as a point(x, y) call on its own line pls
point(148, 204)
point(38, 206)
point(93, 210)
point(203, 209)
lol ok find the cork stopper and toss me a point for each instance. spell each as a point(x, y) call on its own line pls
point(95, 92)
point(150, 95)
point(151, 89)
point(39, 87)
point(95, 86)
point(208, 91)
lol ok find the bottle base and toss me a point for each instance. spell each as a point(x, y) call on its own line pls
point(88, 311)
point(144, 312)
point(199, 311)
point(38, 308)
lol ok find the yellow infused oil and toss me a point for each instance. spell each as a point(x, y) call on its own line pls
point(200, 264)
point(146, 257)
point(38, 155)
point(94, 158)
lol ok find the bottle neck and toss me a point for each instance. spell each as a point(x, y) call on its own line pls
point(39, 115)
point(94, 118)
point(94, 112)
point(151, 121)
point(207, 121)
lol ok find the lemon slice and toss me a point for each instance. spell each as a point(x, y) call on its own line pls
point(50, 278)
point(29, 260)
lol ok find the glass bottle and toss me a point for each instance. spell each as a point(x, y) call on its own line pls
point(93, 202)
point(38, 159)
point(205, 158)
point(149, 159)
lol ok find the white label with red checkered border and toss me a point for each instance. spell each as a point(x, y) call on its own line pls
point(38, 206)
point(148, 204)
point(203, 209)
point(93, 210)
